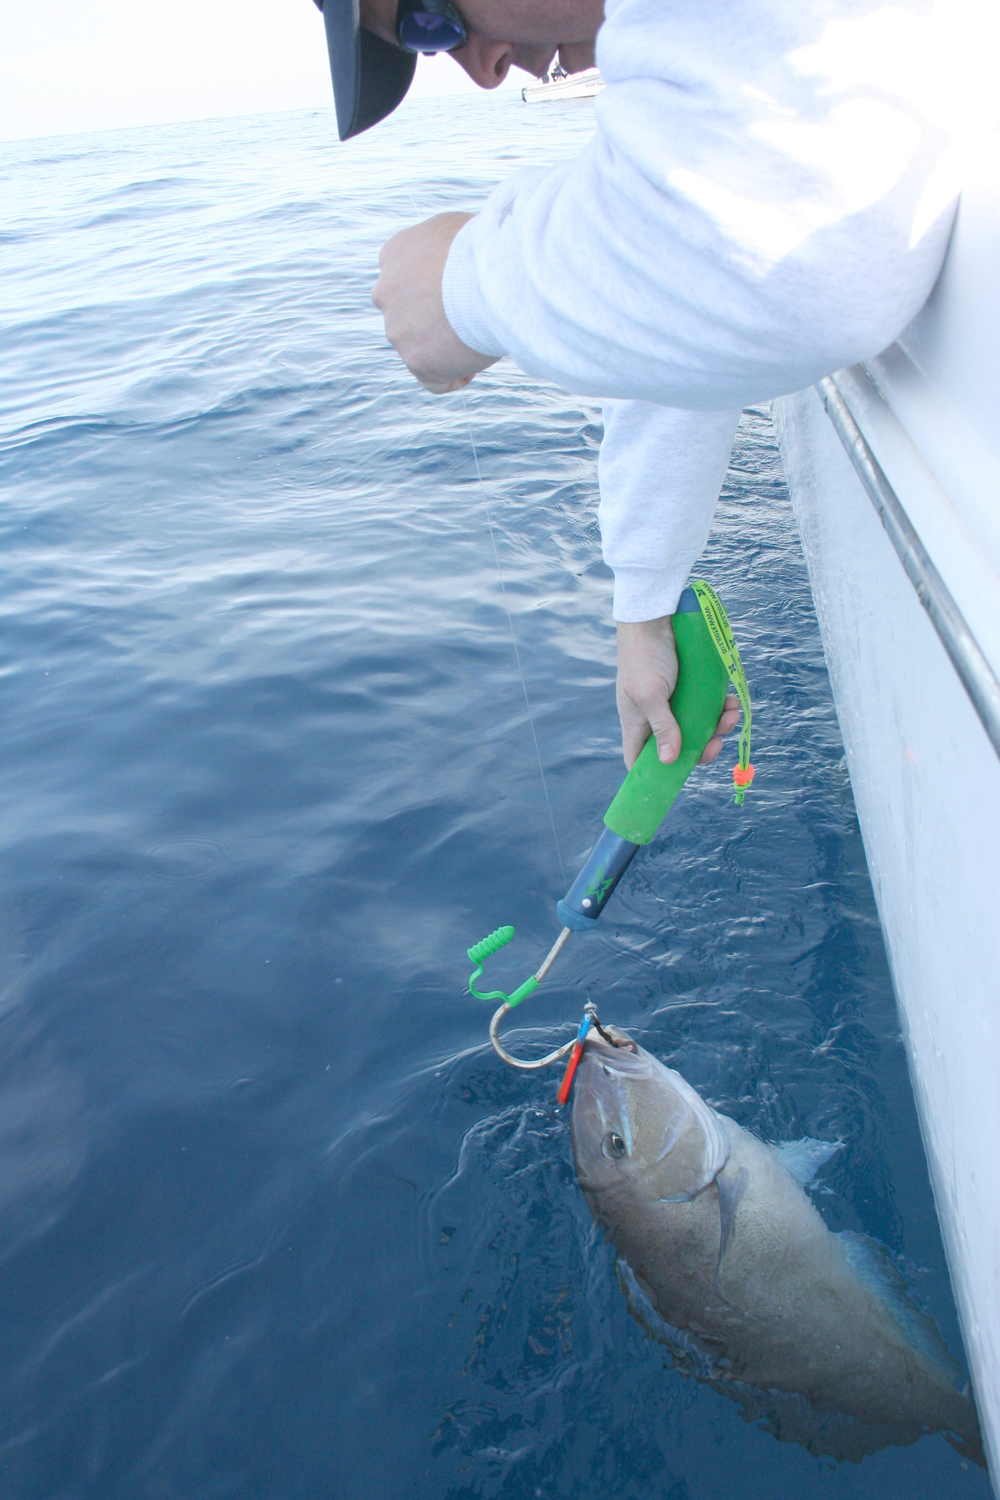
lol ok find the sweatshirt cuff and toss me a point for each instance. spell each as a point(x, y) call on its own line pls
point(648, 593)
point(463, 302)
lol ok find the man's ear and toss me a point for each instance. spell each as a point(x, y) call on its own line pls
point(487, 63)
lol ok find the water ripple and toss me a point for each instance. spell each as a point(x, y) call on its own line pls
point(276, 1222)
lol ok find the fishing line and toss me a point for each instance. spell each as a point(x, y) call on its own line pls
point(513, 636)
point(503, 592)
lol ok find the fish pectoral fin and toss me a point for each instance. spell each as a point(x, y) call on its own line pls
point(731, 1186)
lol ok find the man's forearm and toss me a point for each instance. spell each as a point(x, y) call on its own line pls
point(660, 471)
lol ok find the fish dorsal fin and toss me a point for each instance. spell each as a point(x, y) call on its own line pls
point(732, 1186)
point(804, 1158)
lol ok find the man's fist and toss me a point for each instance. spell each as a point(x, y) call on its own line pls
point(647, 675)
point(408, 295)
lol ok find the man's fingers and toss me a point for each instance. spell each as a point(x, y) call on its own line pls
point(633, 739)
point(647, 675)
point(633, 743)
point(728, 722)
point(668, 734)
point(636, 731)
point(436, 388)
point(730, 716)
point(637, 726)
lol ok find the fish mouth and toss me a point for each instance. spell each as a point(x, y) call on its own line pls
point(611, 1059)
point(616, 1053)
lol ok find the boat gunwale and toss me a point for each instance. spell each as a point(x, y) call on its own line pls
point(952, 628)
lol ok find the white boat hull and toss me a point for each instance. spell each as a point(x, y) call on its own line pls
point(926, 778)
point(574, 86)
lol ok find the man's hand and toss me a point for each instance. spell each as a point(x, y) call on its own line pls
point(647, 675)
point(408, 295)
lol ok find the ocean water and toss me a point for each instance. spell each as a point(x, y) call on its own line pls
point(276, 1221)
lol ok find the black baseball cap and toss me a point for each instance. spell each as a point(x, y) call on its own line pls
point(370, 76)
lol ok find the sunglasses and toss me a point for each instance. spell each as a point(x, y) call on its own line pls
point(429, 26)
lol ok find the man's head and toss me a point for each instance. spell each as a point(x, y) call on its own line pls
point(372, 68)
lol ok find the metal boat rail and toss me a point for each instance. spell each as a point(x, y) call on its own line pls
point(968, 659)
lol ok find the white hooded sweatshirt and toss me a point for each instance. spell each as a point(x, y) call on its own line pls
point(767, 198)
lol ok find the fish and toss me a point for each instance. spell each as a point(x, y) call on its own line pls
point(724, 1257)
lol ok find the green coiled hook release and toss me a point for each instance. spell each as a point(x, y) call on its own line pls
point(481, 951)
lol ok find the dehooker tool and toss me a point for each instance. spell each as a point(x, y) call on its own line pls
point(708, 660)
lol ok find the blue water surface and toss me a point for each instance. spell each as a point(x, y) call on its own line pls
point(275, 1221)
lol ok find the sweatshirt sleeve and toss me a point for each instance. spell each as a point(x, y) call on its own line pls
point(753, 210)
point(464, 305)
point(660, 471)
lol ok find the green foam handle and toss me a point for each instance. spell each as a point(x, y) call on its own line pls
point(648, 791)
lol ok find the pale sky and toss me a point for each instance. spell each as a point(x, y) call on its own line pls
point(99, 64)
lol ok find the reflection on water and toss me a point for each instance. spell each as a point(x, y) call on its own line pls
point(277, 1222)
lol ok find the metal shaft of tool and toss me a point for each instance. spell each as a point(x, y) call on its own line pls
point(550, 1057)
point(553, 954)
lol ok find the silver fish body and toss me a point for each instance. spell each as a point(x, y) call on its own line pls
point(721, 1243)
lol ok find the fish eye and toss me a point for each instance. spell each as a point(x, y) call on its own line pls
point(615, 1145)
